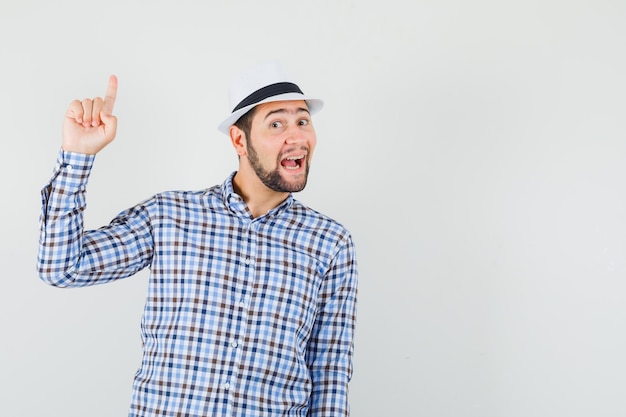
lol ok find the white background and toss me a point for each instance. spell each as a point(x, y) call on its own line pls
point(475, 149)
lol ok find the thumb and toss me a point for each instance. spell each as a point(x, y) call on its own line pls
point(110, 125)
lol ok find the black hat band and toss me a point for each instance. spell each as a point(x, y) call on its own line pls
point(268, 91)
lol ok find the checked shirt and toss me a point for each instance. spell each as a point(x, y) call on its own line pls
point(243, 317)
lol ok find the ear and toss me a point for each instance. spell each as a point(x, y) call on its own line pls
point(238, 139)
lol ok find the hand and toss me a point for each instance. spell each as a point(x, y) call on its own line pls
point(89, 125)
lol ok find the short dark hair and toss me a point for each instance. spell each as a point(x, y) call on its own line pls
point(245, 122)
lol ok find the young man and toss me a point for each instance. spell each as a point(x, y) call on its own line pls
point(251, 298)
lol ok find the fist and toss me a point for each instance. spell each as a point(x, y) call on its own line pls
point(89, 125)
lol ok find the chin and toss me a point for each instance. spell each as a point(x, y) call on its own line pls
point(297, 187)
point(295, 183)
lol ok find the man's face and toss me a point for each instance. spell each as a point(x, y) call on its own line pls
point(281, 144)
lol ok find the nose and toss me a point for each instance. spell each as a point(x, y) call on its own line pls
point(294, 135)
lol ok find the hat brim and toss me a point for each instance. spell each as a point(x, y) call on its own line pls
point(314, 105)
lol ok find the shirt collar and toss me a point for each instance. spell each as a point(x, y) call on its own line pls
point(235, 203)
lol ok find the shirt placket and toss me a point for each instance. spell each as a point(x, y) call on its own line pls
point(241, 303)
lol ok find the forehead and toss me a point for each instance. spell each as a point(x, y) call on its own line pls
point(289, 106)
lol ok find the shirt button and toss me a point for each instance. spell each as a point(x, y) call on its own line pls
point(70, 168)
point(234, 343)
point(226, 385)
point(247, 261)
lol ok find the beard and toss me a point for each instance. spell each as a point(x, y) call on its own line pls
point(272, 178)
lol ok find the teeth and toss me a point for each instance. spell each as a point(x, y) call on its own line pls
point(293, 158)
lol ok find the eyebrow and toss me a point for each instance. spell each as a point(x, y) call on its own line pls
point(299, 110)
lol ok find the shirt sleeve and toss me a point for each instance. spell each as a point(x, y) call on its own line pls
point(330, 348)
point(72, 257)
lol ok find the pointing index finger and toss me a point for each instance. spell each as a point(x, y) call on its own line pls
point(110, 96)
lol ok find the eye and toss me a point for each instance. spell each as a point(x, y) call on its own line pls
point(303, 122)
point(276, 125)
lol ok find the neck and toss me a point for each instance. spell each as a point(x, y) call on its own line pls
point(258, 197)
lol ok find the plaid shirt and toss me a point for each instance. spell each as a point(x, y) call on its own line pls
point(243, 317)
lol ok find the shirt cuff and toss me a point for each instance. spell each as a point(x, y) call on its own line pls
point(73, 161)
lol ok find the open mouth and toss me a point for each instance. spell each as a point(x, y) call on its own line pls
point(292, 162)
